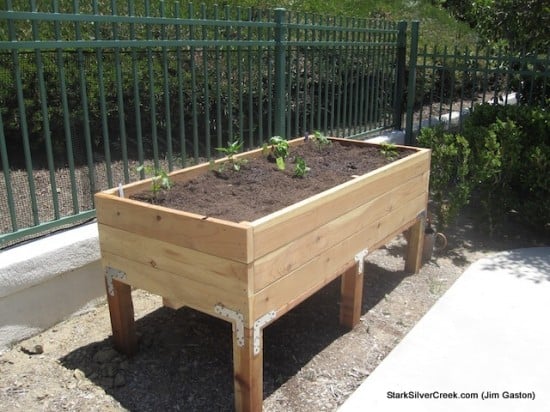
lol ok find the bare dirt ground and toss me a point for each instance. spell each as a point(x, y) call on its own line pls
point(184, 362)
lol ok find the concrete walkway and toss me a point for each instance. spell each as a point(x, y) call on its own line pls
point(487, 338)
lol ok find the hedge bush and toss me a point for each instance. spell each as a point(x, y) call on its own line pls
point(507, 166)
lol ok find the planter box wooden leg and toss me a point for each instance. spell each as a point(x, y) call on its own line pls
point(121, 310)
point(415, 241)
point(351, 295)
point(248, 373)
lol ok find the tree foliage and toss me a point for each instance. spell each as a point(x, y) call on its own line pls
point(516, 24)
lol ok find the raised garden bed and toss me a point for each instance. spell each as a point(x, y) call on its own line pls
point(251, 272)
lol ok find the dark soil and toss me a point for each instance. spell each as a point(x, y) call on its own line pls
point(259, 188)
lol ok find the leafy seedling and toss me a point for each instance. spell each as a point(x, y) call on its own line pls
point(389, 150)
point(230, 151)
point(301, 168)
point(279, 149)
point(160, 179)
point(320, 140)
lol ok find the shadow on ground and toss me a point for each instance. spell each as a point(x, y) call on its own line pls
point(185, 357)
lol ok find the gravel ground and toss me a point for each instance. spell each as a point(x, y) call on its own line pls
point(184, 363)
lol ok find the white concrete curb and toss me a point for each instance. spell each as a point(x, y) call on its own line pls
point(47, 280)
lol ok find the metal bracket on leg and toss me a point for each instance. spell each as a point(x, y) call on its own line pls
point(258, 326)
point(236, 317)
point(110, 274)
point(360, 259)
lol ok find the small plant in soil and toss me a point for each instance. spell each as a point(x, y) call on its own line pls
point(160, 179)
point(230, 151)
point(301, 168)
point(320, 140)
point(277, 148)
point(389, 150)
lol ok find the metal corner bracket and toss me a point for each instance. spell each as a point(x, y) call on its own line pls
point(110, 274)
point(360, 259)
point(236, 317)
point(258, 326)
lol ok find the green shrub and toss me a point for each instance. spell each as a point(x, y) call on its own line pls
point(450, 185)
point(507, 165)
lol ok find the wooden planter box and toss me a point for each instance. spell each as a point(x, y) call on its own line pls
point(251, 273)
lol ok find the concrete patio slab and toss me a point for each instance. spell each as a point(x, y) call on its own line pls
point(484, 346)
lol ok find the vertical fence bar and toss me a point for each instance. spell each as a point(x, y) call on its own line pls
point(465, 60)
point(260, 53)
point(291, 60)
point(181, 108)
point(387, 97)
point(370, 80)
point(409, 138)
point(270, 56)
point(249, 84)
point(60, 61)
point(152, 89)
point(356, 79)
point(136, 91)
point(120, 98)
point(45, 116)
point(102, 102)
point(320, 68)
point(229, 79)
point(167, 97)
point(422, 78)
point(240, 77)
point(85, 112)
point(295, 82)
point(7, 176)
point(363, 76)
point(378, 77)
point(23, 119)
point(280, 66)
point(401, 62)
point(311, 80)
point(452, 76)
point(217, 69)
point(206, 89)
point(327, 66)
point(333, 72)
point(345, 120)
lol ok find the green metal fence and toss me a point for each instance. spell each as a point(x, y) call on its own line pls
point(445, 85)
point(89, 92)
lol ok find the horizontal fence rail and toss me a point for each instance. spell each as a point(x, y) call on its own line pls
point(447, 84)
point(89, 92)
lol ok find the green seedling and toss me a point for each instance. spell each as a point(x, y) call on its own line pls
point(159, 178)
point(279, 149)
point(389, 150)
point(230, 151)
point(320, 140)
point(301, 168)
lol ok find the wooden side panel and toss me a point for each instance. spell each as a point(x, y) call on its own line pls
point(208, 235)
point(210, 270)
point(280, 228)
point(289, 257)
point(287, 292)
point(176, 288)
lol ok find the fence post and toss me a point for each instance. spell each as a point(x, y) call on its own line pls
point(280, 69)
point(411, 88)
point(401, 59)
